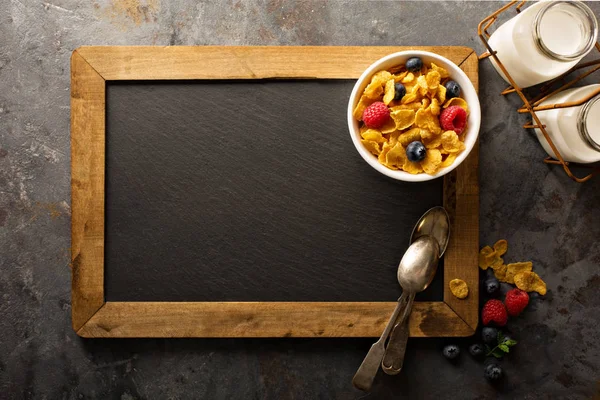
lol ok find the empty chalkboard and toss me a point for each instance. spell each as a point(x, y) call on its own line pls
point(249, 191)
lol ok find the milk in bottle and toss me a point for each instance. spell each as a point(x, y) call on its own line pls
point(544, 41)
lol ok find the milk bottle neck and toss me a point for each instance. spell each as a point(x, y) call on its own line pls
point(565, 30)
point(588, 123)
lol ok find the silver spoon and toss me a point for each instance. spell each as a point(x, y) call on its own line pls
point(436, 223)
point(416, 264)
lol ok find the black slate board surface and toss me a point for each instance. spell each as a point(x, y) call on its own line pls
point(249, 191)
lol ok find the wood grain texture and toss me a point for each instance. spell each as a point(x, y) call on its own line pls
point(272, 319)
point(87, 190)
point(94, 318)
point(235, 62)
point(461, 199)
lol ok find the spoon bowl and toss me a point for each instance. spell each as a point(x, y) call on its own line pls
point(435, 223)
point(419, 264)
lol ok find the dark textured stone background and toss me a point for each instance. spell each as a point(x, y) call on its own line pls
point(546, 218)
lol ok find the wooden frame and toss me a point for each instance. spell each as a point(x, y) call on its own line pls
point(92, 316)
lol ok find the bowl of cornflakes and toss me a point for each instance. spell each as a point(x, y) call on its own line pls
point(414, 116)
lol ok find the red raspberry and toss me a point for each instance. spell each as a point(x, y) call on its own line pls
point(494, 311)
point(453, 118)
point(516, 301)
point(376, 115)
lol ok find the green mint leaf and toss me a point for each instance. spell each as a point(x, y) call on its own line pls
point(510, 342)
point(497, 353)
point(500, 337)
point(504, 348)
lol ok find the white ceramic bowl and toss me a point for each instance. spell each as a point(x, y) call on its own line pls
point(467, 92)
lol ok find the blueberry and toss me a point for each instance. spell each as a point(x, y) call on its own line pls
point(452, 89)
point(414, 64)
point(489, 335)
point(477, 350)
point(493, 372)
point(415, 151)
point(399, 91)
point(491, 286)
point(451, 351)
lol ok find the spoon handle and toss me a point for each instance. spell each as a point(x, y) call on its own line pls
point(393, 358)
point(363, 379)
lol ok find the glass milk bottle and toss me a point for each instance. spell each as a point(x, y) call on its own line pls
point(544, 41)
point(575, 131)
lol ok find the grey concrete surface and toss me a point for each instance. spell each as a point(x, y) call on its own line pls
point(545, 217)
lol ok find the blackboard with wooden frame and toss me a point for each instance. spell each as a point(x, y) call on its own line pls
point(92, 68)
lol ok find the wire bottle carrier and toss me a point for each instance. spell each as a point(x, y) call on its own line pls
point(532, 105)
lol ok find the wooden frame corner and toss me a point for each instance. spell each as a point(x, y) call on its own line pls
point(91, 67)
